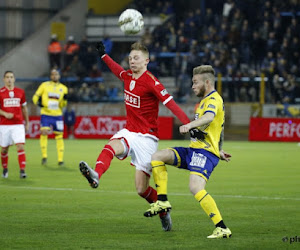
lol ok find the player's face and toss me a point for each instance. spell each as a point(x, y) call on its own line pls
point(198, 86)
point(54, 76)
point(137, 61)
point(9, 79)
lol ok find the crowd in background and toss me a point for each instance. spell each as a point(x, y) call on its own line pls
point(238, 38)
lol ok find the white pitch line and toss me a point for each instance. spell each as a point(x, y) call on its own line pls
point(175, 194)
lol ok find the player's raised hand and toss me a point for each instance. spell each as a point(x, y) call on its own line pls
point(100, 48)
point(224, 156)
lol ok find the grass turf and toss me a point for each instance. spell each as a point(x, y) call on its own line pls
point(54, 208)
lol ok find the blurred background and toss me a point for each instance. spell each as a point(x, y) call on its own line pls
point(252, 44)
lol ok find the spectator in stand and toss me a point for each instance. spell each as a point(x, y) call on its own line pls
point(153, 65)
point(209, 17)
point(54, 52)
point(112, 93)
point(147, 38)
point(70, 120)
point(95, 72)
point(84, 93)
point(70, 49)
point(295, 27)
point(257, 47)
point(227, 7)
point(171, 37)
point(75, 69)
point(182, 44)
point(108, 43)
point(90, 59)
point(272, 43)
point(289, 90)
point(72, 95)
point(168, 8)
point(83, 49)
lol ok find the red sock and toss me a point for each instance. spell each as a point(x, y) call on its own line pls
point(150, 195)
point(104, 159)
point(22, 159)
point(4, 159)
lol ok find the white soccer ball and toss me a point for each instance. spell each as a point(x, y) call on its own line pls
point(131, 21)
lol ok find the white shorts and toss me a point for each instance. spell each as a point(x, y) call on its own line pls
point(12, 134)
point(139, 146)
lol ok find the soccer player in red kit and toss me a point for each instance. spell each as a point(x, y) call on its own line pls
point(139, 138)
point(13, 111)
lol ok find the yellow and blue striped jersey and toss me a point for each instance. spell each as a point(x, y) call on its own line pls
point(212, 102)
point(52, 96)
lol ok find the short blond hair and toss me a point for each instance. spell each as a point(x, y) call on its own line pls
point(206, 71)
point(140, 47)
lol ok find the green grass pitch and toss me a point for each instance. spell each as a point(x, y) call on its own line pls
point(257, 193)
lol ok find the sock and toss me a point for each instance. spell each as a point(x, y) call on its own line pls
point(104, 159)
point(4, 159)
point(221, 224)
point(150, 195)
point(44, 145)
point(22, 159)
point(160, 176)
point(209, 206)
point(60, 146)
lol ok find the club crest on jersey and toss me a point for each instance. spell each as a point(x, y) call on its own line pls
point(131, 85)
point(11, 94)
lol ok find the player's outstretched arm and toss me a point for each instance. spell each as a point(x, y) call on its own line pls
point(115, 68)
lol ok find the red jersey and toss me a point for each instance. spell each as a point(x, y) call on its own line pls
point(11, 101)
point(141, 97)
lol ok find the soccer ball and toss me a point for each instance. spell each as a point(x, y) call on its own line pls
point(131, 21)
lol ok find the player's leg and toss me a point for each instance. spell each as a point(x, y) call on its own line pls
point(60, 147)
point(4, 161)
point(18, 138)
point(44, 144)
point(112, 148)
point(143, 188)
point(5, 141)
point(58, 129)
point(203, 165)
point(160, 175)
point(147, 192)
point(21, 159)
point(45, 130)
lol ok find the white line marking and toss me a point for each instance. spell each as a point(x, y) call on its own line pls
point(130, 193)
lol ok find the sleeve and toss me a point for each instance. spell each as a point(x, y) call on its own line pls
point(23, 98)
point(159, 91)
point(211, 106)
point(113, 66)
point(38, 93)
point(64, 100)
